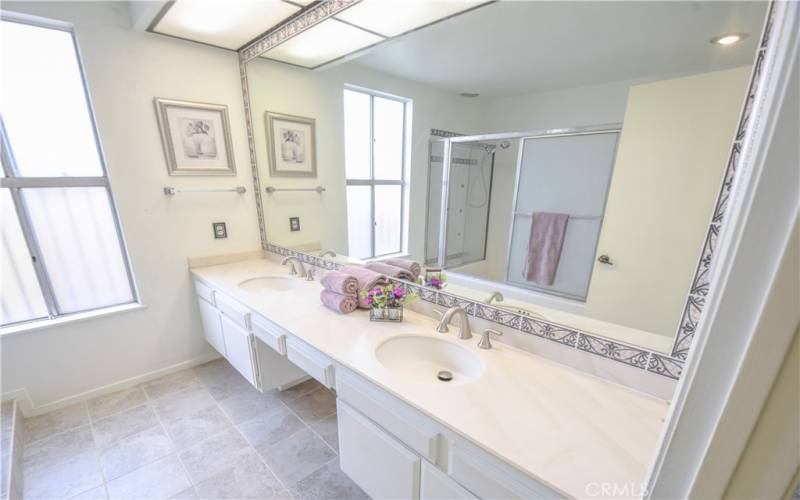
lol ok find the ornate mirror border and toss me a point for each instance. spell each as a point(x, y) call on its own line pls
point(667, 365)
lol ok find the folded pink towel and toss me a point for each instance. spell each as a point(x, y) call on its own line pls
point(367, 280)
point(407, 264)
point(544, 247)
point(337, 302)
point(390, 270)
point(339, 282)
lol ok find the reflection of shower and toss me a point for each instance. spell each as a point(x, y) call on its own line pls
point(489, 149)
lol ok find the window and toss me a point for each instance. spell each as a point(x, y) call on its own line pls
point(61, 246)
point(375, 131)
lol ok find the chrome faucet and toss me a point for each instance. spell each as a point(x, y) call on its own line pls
point(494, 296)
point(299, 267)
point(326, 253)
point(485, 343)
point(464, 331)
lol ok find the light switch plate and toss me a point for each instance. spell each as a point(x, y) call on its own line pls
point(220, 231)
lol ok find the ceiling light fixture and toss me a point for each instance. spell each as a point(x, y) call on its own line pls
point(729, 38)
point(469, 94)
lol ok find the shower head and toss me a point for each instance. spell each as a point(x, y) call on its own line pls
point(505, 145)
point(490, 148)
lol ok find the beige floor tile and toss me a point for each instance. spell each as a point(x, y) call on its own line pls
point(116, 402)
point(191, 429)
point(294, 458)
point(222, 380)
point(58, 448)
point(247, 477)
point(110, 429)
point(271, 428)
point(160, 479)
point(215, 454)
point(328, 482)
point(64, 479)
point(183, 403)
point(187, 494)
point(98, 493)
point(298, 390)
point(245, 406)
point(314, 406)
point(56, 421)
point(328, 429)
point(134, 451)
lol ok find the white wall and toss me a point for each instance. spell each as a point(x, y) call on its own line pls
point(670, 162)
point(126, 69)
point(318, 94)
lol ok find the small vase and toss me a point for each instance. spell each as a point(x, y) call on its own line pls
point(386, 313)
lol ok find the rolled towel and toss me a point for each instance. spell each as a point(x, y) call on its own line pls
point(342, 304)
point(407, 264)
point(390, 270)
point(367, 280)
point(339, 282)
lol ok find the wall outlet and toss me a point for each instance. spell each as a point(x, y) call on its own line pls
point(294, 224)
point(220, 231)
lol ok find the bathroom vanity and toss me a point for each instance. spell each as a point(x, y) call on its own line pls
point(509, 425)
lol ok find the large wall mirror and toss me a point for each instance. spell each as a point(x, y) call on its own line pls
point(567, 155)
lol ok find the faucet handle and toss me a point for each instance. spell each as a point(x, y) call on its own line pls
point(442, 326)
point(485, 343)
point(292, 269)
point(310, 275)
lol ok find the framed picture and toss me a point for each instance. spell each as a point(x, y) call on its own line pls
point(196, 137)
point(292, 145)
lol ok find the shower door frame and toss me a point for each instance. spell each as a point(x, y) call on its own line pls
point(520, 136)
point(617, 129)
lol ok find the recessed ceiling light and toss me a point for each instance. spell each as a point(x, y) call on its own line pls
point(469, 94)
point(729, 38)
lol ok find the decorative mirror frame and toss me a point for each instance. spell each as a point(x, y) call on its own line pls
point(740, 158)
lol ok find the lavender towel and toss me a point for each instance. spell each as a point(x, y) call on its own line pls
point(544, 247)
point(390, 270)
point(337, 302)
point(339, 282)
point(407, 264)
point(367, 280)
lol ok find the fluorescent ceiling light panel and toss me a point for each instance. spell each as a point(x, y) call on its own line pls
point(228, 24)
point(322, 43)
point(394, 17)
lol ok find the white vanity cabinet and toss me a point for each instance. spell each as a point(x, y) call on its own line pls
point(436, 485)
point(239, 349)
point(380, 464)
point(212, 328)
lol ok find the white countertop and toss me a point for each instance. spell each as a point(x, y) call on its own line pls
point(562, 427)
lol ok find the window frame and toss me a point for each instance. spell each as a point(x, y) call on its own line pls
point(372, 181)
point(14, 183)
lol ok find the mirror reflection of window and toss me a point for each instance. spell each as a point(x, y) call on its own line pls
point(374, 132)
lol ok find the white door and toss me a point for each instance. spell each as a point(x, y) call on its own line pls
point(211, 325)
point(238, 349)
point(376, 461)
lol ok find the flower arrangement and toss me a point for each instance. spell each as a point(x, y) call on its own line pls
point(434, 279)
point(387, 302)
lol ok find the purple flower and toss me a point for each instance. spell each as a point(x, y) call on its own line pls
point(399, 293)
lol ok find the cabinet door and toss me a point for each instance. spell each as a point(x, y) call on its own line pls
point(211, 325)
point(438, 485)
point(239, 349)
point(373, 459)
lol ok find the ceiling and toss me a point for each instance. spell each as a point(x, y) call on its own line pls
point(514, 47)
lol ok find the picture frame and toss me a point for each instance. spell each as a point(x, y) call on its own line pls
point(291, 144)
point(196, 138)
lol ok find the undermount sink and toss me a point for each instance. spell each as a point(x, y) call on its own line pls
point(268, 284)
point(422, 358)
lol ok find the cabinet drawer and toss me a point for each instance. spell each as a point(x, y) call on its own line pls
point(311, 361)
point(436, 485)
point(239, 349)
point(373, 459)
point(408, 425)
point(488, 477)
point(233, 310)
point(204, 291)
point(212, 328)
point(269, 333)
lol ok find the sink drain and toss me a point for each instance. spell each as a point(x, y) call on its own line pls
point(444, 376)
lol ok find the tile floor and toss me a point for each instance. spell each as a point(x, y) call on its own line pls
point(199, 433)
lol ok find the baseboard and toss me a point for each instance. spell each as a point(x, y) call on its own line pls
point(28, 408)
